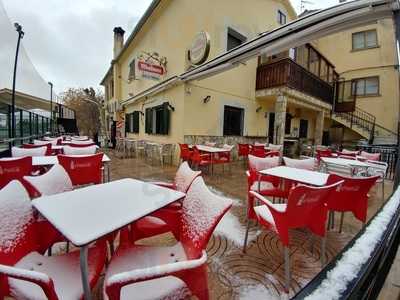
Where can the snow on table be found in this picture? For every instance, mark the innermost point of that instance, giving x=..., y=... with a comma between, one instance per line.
x=53, y=160
x=345, y=162
x=299, y=175
x=86, y=214
x=211, y=149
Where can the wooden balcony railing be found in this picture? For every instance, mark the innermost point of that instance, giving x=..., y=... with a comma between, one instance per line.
x=288, y=73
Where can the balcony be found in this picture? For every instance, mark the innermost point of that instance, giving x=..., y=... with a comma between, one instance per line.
x=288, y=73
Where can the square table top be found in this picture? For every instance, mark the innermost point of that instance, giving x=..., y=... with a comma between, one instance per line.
x=345, y=162
x=299, y=175
x=209, y=149
x=87, y=214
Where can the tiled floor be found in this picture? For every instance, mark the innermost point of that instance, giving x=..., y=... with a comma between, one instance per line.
x=258, y=274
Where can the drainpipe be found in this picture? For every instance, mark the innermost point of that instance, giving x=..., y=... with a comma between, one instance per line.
x=396, y=18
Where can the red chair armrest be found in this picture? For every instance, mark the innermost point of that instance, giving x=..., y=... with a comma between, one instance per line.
x=41, y=279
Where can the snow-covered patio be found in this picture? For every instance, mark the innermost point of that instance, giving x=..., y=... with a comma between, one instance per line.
x=258, y=274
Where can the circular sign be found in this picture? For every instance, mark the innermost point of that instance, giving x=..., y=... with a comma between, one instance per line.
x=200, y=48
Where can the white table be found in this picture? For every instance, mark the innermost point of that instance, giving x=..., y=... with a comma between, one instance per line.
x=61, y=147
x=212, y=151
x=303, y=176
x=87, y=214
x=345, y=162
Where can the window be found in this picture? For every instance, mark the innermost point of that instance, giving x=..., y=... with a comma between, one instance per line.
x=132, y=66
x=158, y=119
x=365, y=40
x=365, y=86
x=233, y=120
x=281, y=18
x=288, y=123
x=111, y=88
x=132, y=122
x=234, y=39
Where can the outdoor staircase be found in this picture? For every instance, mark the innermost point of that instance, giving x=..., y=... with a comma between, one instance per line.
x=365, y=125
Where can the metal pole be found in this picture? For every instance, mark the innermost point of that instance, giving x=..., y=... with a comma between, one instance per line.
x=20, y=36
x=51, y=107
x=397, y=36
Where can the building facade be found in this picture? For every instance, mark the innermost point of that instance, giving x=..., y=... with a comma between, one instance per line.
x=283, y=97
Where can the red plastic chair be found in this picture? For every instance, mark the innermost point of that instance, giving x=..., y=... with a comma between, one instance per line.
x=305, y=164
x=29, y=274
x=324, y=153
x=80, y=150
x=32, y=146
x=83, y=169
x=371, y=156
x=273, y=154
x=181, y=270
x=243, y=150
x=351, y=196
x=200, y=160
x=306, y=208
x=185, y=152
x=14, y=169
x=81, y=145
x=258, y=151
x=159, y=222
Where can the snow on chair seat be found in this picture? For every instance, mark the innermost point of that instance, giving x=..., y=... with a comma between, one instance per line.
x=68, y=150
x=142, y=268
x=31, y=275
x=21, y=152
x=54, y=181
x=64, y=272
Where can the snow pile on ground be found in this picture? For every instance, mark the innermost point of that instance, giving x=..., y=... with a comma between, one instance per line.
x=254, y=292
x=348, y=267
x=233, y=230
x=235, y=201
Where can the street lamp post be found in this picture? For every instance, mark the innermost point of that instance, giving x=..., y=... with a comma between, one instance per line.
x=51, y=107
x=20, y=36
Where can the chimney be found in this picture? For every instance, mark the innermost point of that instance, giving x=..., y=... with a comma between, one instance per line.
x=118, y=40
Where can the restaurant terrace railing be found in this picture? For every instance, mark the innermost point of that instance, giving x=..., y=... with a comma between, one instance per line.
x=288, y=73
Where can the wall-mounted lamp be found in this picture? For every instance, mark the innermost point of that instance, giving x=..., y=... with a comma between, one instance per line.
x=258, y=109
x=207, y=99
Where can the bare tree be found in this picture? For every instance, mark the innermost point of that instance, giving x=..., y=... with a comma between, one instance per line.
x=87, y=104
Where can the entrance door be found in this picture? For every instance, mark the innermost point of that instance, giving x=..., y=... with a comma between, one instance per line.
x=271, y=127
x=303, y=128
x=114, y=134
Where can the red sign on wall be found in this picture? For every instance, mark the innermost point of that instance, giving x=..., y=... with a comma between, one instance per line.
x=150, y=71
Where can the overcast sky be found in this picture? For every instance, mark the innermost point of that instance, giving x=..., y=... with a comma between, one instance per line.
x=70, y=42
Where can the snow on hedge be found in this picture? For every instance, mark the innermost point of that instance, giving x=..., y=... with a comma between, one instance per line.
x=349, y=265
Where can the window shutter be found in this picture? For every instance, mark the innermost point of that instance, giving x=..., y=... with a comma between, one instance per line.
x=135, y=122
x=127, y=122
x=165, y=119
x=132, y=66
x=149, y=121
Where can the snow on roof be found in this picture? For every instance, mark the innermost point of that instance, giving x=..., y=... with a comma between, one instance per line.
x=349, y=265
x=29, y=81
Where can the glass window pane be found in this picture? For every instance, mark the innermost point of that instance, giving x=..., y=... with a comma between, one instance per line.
x=17, y=123
x=371, y=86
x=370, y=39
x=358, y=40
x=360, y=87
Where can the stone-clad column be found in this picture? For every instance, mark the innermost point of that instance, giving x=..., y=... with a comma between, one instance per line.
x=280, y=119
x=319, y=128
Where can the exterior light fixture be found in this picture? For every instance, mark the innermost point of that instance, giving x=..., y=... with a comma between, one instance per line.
x=258, y=109
x=207, y=99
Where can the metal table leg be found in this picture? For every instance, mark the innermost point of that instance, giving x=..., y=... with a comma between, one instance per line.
x=85, y=272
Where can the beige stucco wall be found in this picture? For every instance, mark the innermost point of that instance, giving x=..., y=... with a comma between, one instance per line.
x=380, y=61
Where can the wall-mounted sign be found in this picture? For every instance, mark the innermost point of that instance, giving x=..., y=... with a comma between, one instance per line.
x=148, y=65
x=149, y=70
x=200, y=48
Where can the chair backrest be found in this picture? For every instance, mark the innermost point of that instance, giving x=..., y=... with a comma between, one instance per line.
x=323, y=153
x=80, y=150
x=371, y=156
x=86, y=143
x=347, y=157
x=306, y=208
x=184, y=151
x=305, y=164
x=260, y=144
x=17, y=226
x=184, y=177
x=80, y=138
x=377, y=168
x=33, y=146
x=228, y=147
x=352, y=194
x=43, y=143
x=243, y=149
x=274, y=147
x=273, y=154
x=21, y=152
x=201, y=212
x=258, y=151
x=54, y=181
x=259, y=164
x=14, y=169
x=80, y=145
x=83, y=169
x=350, y=152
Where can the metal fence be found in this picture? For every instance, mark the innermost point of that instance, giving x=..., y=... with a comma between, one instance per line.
x=389, y=154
